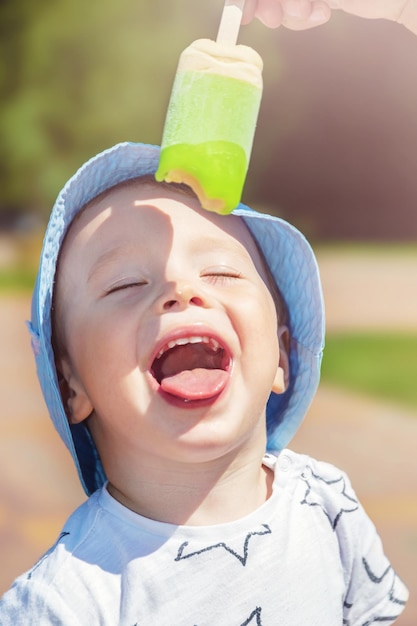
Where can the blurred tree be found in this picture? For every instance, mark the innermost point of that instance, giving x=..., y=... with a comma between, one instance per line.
x=76, y=77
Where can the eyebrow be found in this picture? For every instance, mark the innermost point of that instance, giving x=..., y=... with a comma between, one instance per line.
x=105, y=259
x=121, y=250
x=213, y=243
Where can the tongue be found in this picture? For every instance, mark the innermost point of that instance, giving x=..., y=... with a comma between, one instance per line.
x=196, y=384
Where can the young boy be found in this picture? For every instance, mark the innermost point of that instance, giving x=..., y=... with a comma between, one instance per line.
x=174, y=348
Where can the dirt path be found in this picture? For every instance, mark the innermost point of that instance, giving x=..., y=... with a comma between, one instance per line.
x=369, y=289
x=375, y=443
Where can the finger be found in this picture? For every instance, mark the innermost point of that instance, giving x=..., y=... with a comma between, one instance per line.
x=249, y=11
x=302, y=14
x=270, y=13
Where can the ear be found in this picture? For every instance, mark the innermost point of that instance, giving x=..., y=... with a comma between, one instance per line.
x=282, y=376
x=76, y=402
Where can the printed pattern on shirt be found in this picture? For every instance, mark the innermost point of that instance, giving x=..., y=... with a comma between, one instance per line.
x=254, y=619
x=184, y=552
x=393, y=594
x=255, y=615
x=377, y=579
x=241, y=557
x=347, y=503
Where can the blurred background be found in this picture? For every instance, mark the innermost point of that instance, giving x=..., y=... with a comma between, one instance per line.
x=336, y=143
x=335, y=153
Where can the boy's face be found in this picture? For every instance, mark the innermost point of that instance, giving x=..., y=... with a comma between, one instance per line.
x=169, y=330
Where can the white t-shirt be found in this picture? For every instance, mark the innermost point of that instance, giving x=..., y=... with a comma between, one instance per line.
x=309, y=555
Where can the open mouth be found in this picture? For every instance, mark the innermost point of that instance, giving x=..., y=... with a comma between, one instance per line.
x=192, y=368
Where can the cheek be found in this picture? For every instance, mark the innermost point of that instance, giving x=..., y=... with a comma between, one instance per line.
x=90, y=345
x=266, y=312
x=106, y=347
x=266, y=332
x=259, y=323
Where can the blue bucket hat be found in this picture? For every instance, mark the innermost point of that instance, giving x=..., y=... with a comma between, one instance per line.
x=287, y=253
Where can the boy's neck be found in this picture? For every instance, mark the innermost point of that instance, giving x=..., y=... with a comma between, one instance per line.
x=198, y=495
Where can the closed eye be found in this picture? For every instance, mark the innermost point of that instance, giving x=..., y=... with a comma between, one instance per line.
x=221, y=276
x=124, y=286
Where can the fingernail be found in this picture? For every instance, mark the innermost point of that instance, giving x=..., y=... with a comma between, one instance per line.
x=319, y=14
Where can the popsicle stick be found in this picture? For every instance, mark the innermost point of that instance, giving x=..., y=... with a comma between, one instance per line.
x=230, y=22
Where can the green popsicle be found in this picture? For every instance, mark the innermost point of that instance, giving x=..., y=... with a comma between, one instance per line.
x=211, y=120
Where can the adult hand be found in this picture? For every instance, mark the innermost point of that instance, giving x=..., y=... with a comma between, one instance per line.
x=303, y=14
x=294, y=14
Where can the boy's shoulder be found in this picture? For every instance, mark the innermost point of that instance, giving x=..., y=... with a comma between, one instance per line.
x=42, y=589
x=317, y=480
x=323, y=499
x=322, y=486
x=73, y=538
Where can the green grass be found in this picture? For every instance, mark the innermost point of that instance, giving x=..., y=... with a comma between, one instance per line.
x=382, y=365
x=17, y=280
x=19, y=273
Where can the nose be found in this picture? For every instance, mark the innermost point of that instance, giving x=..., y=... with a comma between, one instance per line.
x=180, y=295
